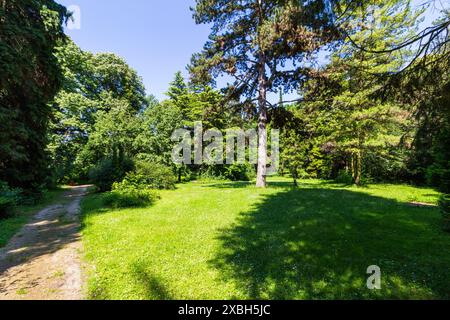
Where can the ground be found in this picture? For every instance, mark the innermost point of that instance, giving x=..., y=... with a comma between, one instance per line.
x=43, y=260
x=10, y=226
x=234, y=241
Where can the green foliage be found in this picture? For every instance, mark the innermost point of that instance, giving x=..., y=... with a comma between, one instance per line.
x=110, y=170
x=262, y=47
x=347, y=123
x=151, y=175
x=344, y=177
x=159, y=121
x=9, y=199
x=240, y=172
x=444, y=204
x=30, y=77
x=234, y=172
x=439, y=176
x=430, y=157
x=129, y=196
x=96, y=111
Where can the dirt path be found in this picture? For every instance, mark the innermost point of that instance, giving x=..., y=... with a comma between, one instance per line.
x=42, y=262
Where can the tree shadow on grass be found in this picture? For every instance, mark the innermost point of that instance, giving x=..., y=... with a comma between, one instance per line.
x=318, y=243
x=153, y=287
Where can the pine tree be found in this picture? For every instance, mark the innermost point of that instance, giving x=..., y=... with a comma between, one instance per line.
x=356, y=118
x=254, y=42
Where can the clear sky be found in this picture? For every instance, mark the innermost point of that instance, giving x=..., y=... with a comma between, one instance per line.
x=155, y=37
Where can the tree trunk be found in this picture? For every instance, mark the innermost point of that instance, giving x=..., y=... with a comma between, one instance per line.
x=352, y=166
x=262, y=125
x=294, y=176
x=358, y=168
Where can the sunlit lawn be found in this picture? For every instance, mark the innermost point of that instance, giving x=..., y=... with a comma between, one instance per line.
x=233, y=241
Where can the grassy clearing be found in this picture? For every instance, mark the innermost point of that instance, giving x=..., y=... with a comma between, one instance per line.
x=233, y=241
x=10, y=226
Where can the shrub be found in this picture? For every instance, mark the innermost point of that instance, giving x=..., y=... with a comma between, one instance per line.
x=149, y=175
x=108, y=171
x=126, y=196
x=234, y=172
x=444, y=204
x=344, y=177
x=239, y=172
x=439, y=177
x=9, y=198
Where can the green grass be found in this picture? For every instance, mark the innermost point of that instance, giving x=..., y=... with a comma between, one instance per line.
x=11, y=225
x=233, y=241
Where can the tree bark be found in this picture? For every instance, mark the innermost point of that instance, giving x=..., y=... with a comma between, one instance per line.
x=358, y=168
x=262, y=124
x=352, y=166
x=294, y=176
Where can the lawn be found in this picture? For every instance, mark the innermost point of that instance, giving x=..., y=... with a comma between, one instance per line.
x=11, y=225
x=234, y=241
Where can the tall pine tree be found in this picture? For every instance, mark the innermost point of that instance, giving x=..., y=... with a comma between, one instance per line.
x=263, y=45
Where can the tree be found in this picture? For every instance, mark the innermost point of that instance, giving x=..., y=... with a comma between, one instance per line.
x=430, y=97
x=159, y=121
x=427, y=43
x=356, y=120
x=30, y=77
x=186, y=105
x=254, y=42
x=92, y=85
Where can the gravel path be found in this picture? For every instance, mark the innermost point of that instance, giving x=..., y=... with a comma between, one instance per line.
x=43, y=260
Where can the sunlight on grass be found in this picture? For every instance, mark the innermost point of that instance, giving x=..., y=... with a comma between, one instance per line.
x=221, y=240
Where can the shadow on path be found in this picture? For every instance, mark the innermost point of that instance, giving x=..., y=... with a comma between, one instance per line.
x=50, y=230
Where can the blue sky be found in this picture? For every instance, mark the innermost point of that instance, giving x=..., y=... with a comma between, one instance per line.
x=155, y=37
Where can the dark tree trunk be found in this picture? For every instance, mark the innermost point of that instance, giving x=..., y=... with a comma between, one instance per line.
x=294, y=176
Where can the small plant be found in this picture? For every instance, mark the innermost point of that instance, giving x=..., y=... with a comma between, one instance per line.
x=444, y=204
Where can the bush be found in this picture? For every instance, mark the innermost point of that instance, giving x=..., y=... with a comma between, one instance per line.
x=149, y=175
x=108, y=171
x=345, y=178
x=439, y=177
x=236, y=172
x=9, y=198
x=444, y=204
x=126, y=196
